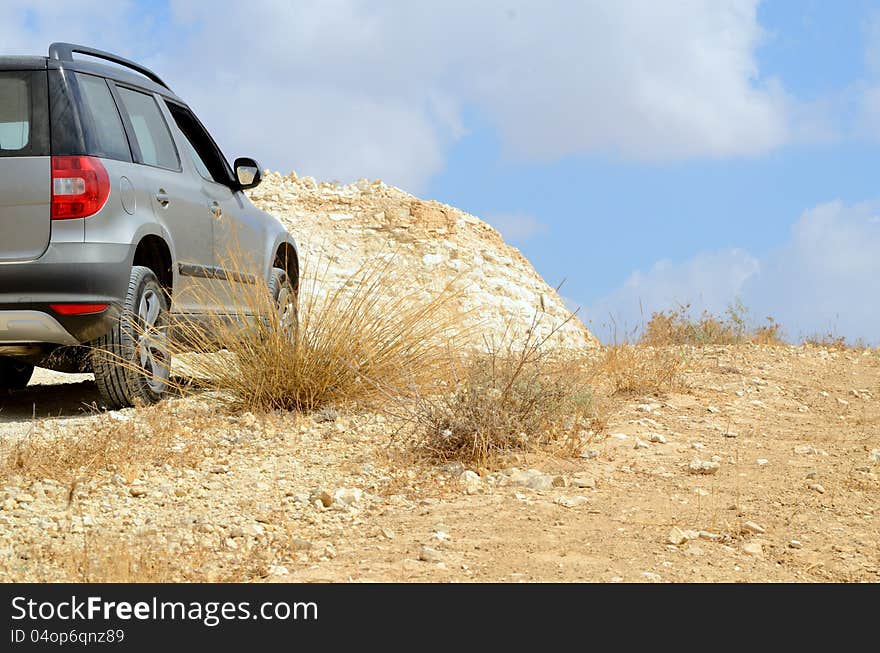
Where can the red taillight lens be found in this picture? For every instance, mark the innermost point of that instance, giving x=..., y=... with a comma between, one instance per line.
x=80, y=186
x=78, y=309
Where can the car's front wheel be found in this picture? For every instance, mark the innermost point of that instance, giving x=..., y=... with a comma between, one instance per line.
x=284, y=300
x=132, y=364
x=14, y=374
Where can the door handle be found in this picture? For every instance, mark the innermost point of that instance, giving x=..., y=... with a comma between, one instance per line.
x=162, y=198
x=216, y=211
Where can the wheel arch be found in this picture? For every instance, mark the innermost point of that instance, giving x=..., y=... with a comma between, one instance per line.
x=154, y=252
x=286, y=257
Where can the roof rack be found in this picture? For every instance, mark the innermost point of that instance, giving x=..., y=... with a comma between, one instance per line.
x=64, y=52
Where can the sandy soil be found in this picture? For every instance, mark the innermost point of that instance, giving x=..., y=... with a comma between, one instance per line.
x=795, y=433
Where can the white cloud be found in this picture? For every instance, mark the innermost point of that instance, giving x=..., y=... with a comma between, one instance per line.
x=348, y=88
x=825, y=278
x=517, y=227
x=710, y=280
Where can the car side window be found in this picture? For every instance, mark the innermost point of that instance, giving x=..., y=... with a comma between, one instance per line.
x=208, y=159
x=200, y=166
x=152, y=134
x=109, y=139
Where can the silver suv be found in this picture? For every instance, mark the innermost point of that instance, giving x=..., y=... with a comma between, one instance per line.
x=114, y=199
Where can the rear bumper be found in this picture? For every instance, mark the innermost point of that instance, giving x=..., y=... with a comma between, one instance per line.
x=95, y=273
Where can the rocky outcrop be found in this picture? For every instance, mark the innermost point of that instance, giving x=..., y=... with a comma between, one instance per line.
x=429, y=244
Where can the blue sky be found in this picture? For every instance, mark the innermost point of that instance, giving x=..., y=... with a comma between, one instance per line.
x=648, y=153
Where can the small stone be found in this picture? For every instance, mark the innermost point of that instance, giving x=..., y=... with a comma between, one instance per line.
x=427, y=554
x=299, y=544
x=347, y=496
x=811, y=475
x=278, y=570
x=805, y=449
x=572, y=502
x=137, y=491
x=842, y=402
x=532, y=479
x=752, y=527
x=651, y=576
x=753, y=548
x=440, y=536
x=761, y=462
x=620, y=436
x=875, y=456
x=24, y=498
x=220, y=469
x=676, y=536
x=254, y=530
x=387, y=533
x=703, y=466
x=712, y=409
x=470, y=481
x=453, y=468
x=817, y=487
x=795, y=544
x=641, y=444
x=583, y=481
x=658, y=438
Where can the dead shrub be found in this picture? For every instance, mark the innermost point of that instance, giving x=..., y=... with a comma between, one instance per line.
x=641, y=369
x=832, y=340
x=679, y=327
x=517, y=396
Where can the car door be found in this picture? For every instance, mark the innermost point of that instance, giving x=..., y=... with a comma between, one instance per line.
x=239, y=235
x=176, y=197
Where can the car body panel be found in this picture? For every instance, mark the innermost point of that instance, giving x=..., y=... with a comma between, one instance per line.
x=89, y=260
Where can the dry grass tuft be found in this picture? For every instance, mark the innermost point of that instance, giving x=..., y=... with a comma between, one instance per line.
x=640, y=369
x=354, y=343
x=679, y=327
x=111, y=444
x=516, y=397
x=831, y=340
x=109, y=557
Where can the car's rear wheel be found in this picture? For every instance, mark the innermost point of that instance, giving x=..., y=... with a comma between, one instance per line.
x=14, y=374
x=284, y=300
x=132, y=364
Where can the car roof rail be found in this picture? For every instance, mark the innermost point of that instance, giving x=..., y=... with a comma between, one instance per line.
x=64, y=52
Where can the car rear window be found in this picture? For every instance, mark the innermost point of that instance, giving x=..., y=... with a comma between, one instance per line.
x=108, y=135
x=24, y=128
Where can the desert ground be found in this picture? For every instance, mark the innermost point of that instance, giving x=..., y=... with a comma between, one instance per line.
x=763, y=467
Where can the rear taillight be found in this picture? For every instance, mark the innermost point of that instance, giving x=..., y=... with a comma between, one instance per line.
x=80, y=186
x=78, y=309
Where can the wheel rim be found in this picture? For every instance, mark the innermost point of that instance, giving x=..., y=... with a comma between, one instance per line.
x=152, y=347
x=285, y=307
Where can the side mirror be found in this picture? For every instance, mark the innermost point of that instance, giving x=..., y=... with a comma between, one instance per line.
x=247, y=173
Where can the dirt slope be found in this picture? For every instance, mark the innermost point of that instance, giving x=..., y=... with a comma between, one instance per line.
x=795, y=433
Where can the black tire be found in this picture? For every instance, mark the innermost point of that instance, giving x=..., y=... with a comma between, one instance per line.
x=14, y=374
x=131, y=363
x=284, y=300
